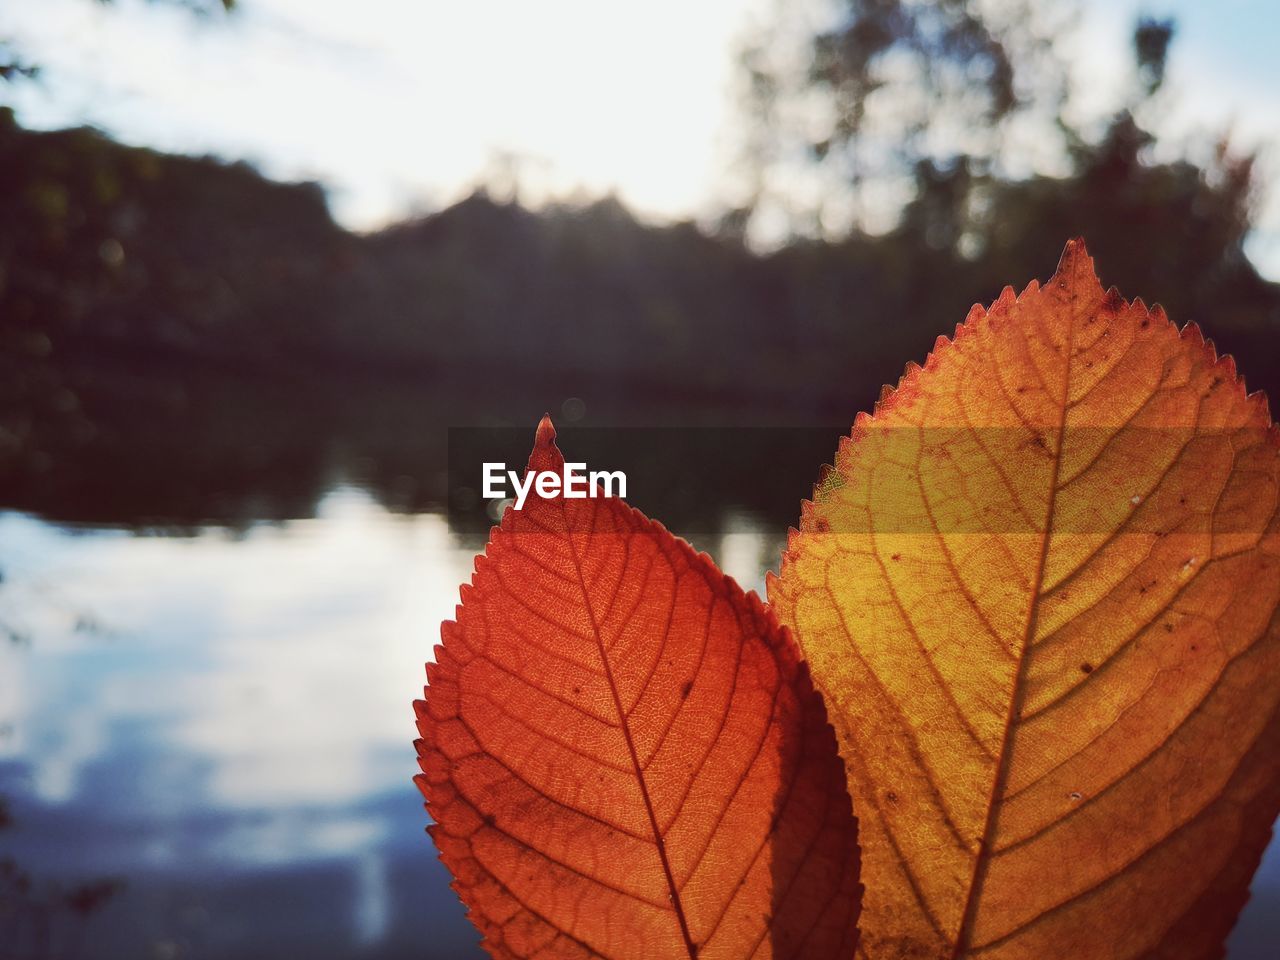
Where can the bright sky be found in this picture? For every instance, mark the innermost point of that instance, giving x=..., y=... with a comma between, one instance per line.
x=404, y=105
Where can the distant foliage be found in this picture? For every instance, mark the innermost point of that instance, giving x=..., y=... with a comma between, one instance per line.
x=146, y=299
x=936, y=119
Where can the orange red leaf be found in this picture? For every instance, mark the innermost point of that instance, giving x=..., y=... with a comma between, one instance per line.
x=623, y=756
x=1039, y=592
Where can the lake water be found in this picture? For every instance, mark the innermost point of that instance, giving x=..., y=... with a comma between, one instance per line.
x=222, y=721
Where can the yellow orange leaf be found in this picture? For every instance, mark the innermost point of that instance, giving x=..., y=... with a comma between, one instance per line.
x=1039, y=593
x=625, y=757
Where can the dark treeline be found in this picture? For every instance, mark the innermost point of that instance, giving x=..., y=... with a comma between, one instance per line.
x=182, y=339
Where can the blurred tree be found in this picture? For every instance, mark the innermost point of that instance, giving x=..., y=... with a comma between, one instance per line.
x=853, y=99
x=1151, y=39
x=879, y=114
x=934, y=140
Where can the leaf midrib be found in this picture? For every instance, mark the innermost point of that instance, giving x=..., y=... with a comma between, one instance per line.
x=659, y=841
x=1001, y=777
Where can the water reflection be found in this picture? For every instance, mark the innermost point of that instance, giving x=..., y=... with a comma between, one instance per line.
x=223, y=719
x=238, y=742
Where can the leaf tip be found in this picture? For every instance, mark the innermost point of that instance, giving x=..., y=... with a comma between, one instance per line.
x=1074, y=264
x=545, y=452
x=546, y=432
